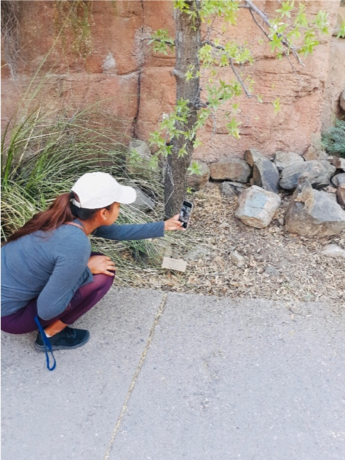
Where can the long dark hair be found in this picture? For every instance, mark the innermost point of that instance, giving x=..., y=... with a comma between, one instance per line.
x=58, y=213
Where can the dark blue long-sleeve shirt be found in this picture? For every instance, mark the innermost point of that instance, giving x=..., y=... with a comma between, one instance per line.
x=53, y=265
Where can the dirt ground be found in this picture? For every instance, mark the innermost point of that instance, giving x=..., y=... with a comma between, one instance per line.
x=278, y=265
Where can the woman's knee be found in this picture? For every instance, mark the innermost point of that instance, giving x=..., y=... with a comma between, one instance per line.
x=103, y=282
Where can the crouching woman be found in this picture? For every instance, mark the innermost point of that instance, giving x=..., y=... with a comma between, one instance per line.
x=50, y=278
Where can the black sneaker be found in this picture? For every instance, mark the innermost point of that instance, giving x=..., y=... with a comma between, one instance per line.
x=67, y=339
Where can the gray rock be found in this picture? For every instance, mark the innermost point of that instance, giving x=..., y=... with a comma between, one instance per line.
x=315, y=153
x=313, y=213
x=196, y=253
x=339, y=163
x=272, y=271
x=252, y=156
x=227, y=190
x=330, y=168
x=237, y=259
x=338, y=179
x=233, y=169
x=138, y=161
x=331, y=192
x=285, y=159
x=230, y=189
x=257, y=207
x=340, y=194
x=333, y=250
x=266, y=175
x=198, y=181
x=141, y=148
x=143, y=202
x=318, y=174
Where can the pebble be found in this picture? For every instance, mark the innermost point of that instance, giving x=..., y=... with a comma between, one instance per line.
x=333, y=250
x=271, y=271
x=237, y=259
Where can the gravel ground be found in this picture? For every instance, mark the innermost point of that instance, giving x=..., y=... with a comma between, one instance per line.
x=278, y=265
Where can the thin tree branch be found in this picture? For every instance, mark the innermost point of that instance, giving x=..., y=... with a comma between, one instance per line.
x=262, y=15
x=239, y=78
x=259, y=25
x=231, y=62
x=166, y=42
x=253, y=8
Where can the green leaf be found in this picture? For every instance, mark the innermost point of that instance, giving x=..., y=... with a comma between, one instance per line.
x=160, y=41
x=276, y=105
x=321, y=22
x=182, y=152
x=301, y=18
x=341, y=33
x=195, y=168
x=197, y=144
x=181, y=5
x=276, y=43
x=233, y=128
x=286, y=8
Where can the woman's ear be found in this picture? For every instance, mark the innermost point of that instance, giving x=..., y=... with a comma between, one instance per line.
x=104, y=214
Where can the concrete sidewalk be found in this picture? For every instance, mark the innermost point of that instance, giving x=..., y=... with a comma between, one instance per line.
x=172, y=376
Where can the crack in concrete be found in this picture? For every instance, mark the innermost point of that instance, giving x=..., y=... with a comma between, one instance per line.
x=136, y=375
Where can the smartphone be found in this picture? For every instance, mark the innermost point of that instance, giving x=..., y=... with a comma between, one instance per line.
x=185, y=213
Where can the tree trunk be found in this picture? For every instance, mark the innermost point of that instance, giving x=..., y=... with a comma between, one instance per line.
x=187, y=45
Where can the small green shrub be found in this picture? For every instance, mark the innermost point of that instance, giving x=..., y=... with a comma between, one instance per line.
x=333, y=139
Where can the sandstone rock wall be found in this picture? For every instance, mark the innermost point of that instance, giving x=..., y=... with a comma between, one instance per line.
x=117, y=66
x=336, y=75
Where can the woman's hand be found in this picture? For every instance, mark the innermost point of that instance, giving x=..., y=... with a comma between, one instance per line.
x=173, y=224
x=101, y=265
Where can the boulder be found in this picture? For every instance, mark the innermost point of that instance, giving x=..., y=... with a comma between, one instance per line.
x=198, y=181
x=338, y=179
x=138, y=162
x=266, y=175
x=230, y=189
x=253, y=155
x=333, y=250
x=231, y=169
x=143, y=202
x=330, y=168
x=257, y=207
x=314, y=154
x=331, y=192
x=140, y=148
x=227, y=190
x=313, y=213
x=318, y=174
x=340, y=194
x=339, y=163
x=285, y=159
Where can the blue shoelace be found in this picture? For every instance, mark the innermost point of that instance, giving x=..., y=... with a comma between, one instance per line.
x=47, y=346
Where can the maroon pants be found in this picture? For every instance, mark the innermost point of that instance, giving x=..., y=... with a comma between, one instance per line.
x=84, y=299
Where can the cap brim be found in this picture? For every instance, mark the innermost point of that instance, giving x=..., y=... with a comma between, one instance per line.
x=127, y=195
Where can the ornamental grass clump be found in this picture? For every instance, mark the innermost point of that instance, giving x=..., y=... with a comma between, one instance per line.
x=43, y=155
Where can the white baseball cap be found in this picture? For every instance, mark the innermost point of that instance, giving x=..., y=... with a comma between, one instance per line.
x=97, y=190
